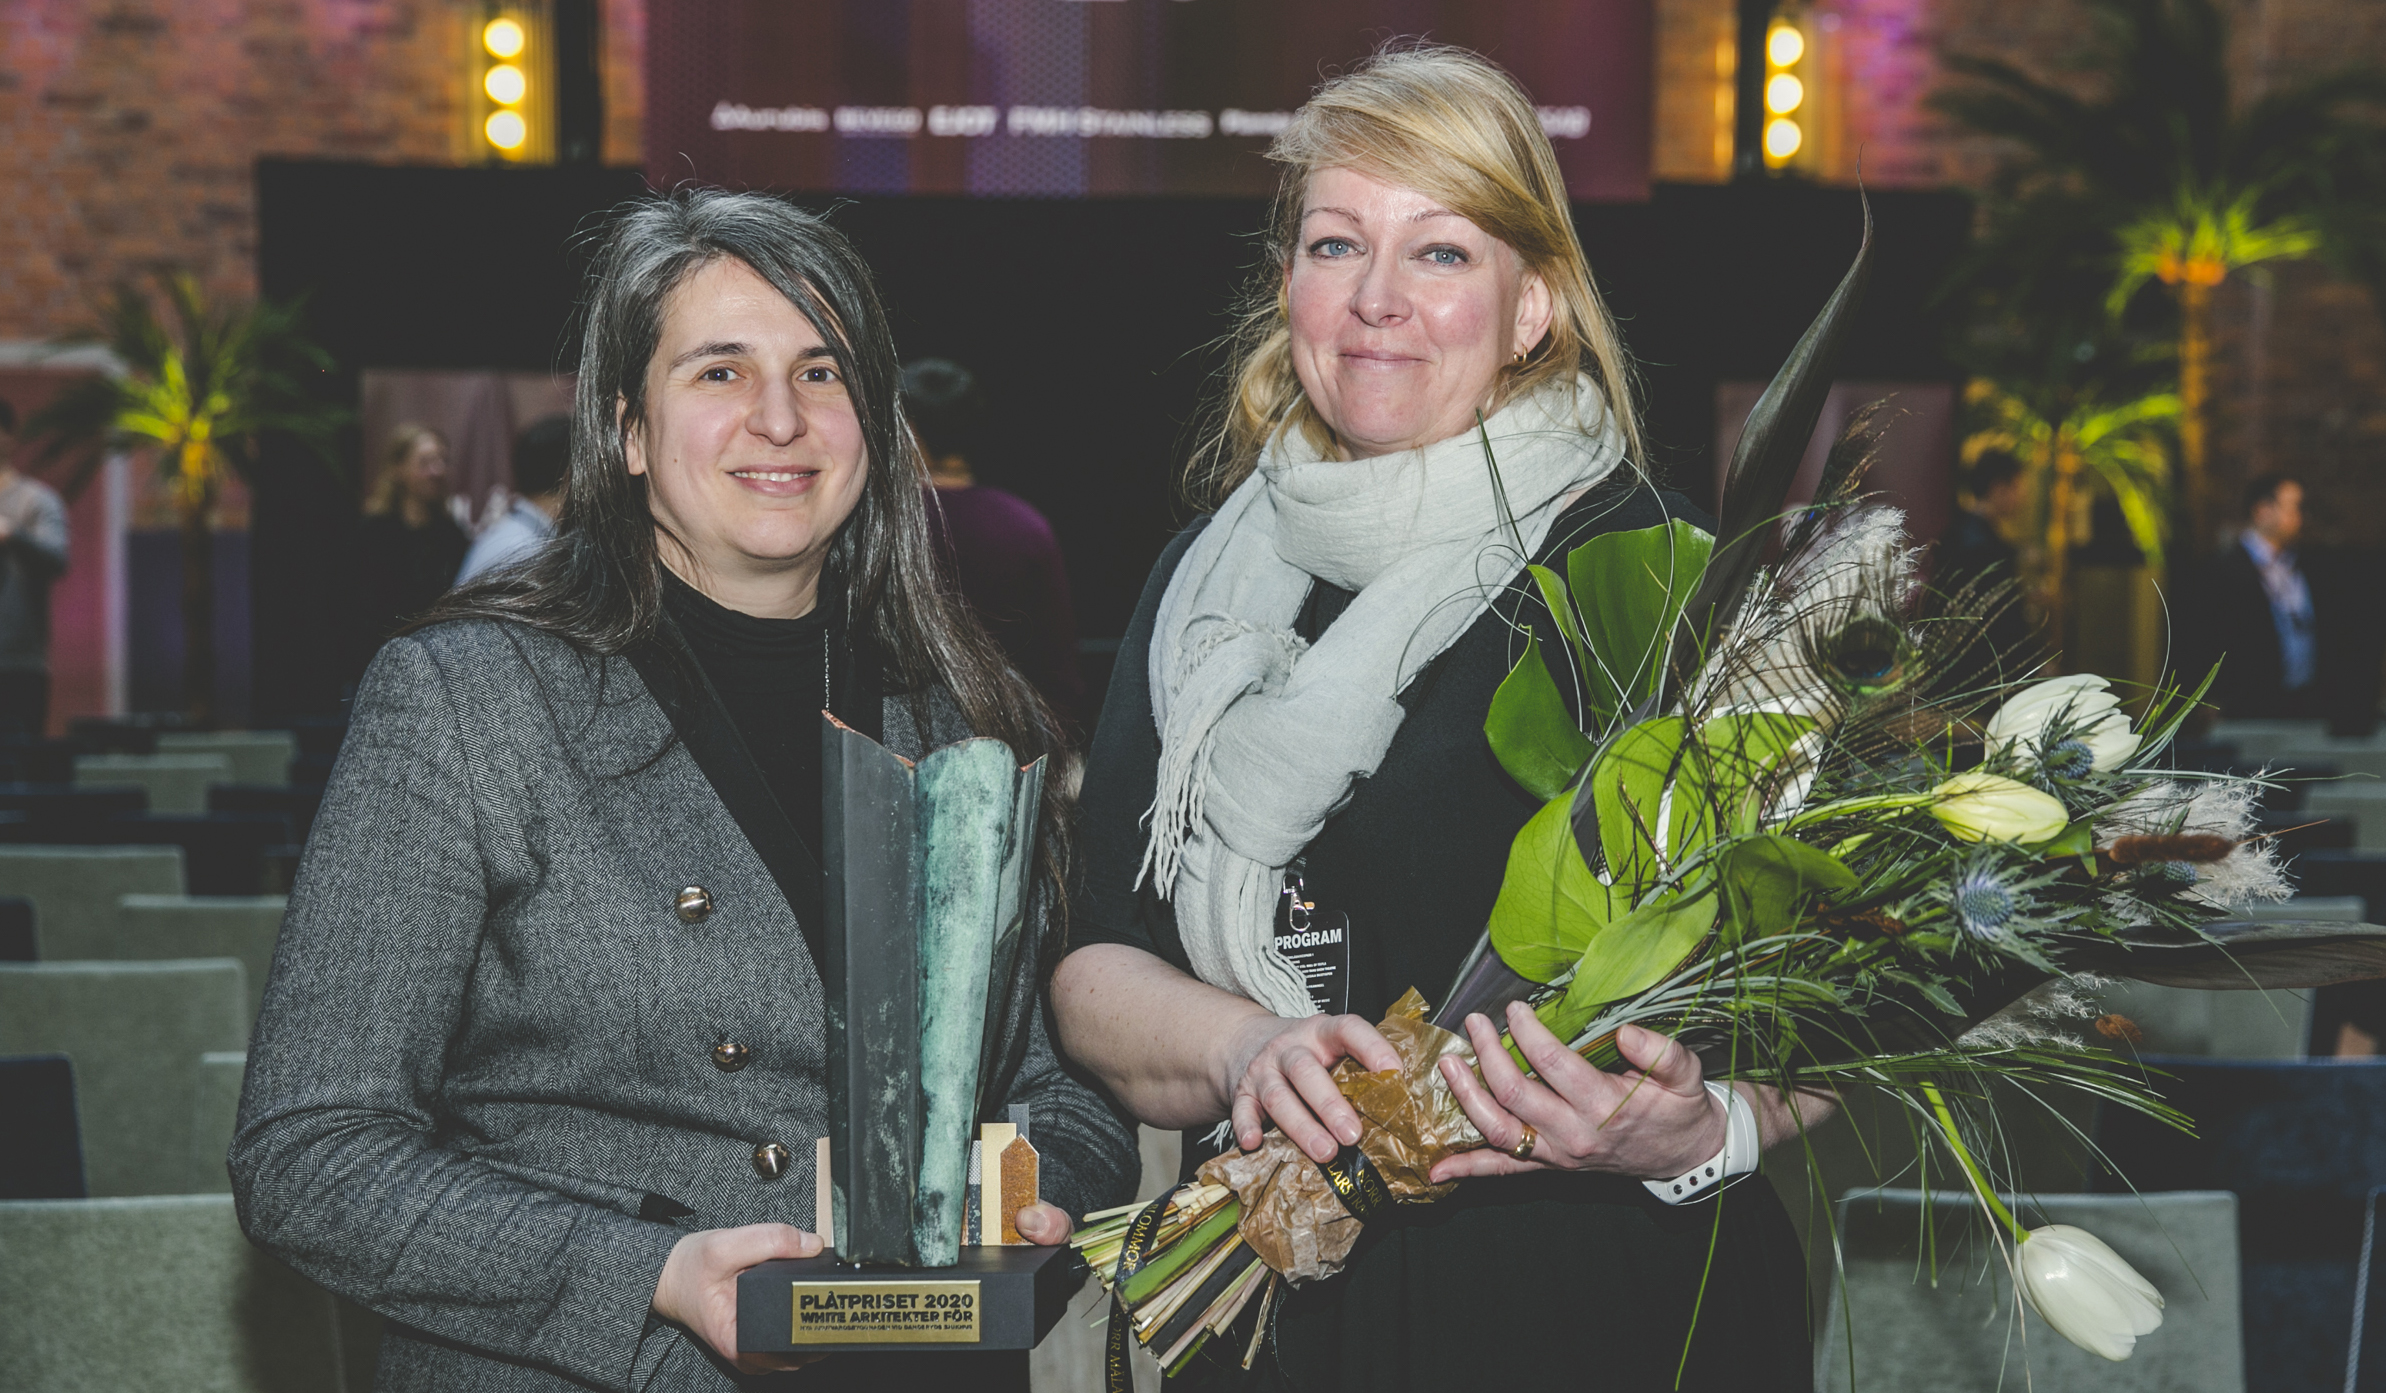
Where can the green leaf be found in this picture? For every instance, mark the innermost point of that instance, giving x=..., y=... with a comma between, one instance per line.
x=1553, y=594
x=1550, y=906
x=1770, y=879
x=1634, y=954
x=1630, y=588
x=1627, y=786
x=1718, y=786
x=2078, y=839
x=1531, y=731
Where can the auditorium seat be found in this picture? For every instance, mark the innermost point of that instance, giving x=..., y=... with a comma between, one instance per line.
x=2359, y=801
x=2302, y=1145
x=2367, y=1373
x=17, y=943
x=257, y=756
x=155, y=1293
x=215, y=1109
x=2233, y=1024
x=223, y=853
x=31, y=759
x=296, y=802
x=75, y=889
x=201, y=926
x=136, y=1032
x=175, y=783
x=1964, y=1335
x=64, y=802
x=41, y=1144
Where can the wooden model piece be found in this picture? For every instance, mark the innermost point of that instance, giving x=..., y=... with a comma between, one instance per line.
x=1019, y=1185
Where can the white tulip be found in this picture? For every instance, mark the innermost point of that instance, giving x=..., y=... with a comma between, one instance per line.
x=2081, y=702
x=1982, y=807
x=2086, y=1291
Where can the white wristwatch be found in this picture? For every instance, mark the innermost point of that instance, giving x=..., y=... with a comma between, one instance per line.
x=1740, y=1153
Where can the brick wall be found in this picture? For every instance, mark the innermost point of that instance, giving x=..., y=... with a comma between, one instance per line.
x=128, y=129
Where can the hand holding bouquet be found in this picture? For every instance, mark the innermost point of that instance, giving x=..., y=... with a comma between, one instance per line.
x=1809, y=832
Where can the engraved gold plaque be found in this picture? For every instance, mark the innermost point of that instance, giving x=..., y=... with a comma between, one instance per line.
x=888, y=1313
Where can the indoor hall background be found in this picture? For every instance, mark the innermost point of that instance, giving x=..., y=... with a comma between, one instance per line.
x=1091, y=322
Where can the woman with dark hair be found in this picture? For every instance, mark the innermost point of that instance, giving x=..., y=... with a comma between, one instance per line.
x=542, y=1058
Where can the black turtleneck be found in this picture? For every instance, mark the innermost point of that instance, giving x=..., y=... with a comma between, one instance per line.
x=772, y=675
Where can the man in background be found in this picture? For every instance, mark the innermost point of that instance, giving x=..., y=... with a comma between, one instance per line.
x=2260, y=611
x=542, y=461
x=32, y=555
x=998, y=550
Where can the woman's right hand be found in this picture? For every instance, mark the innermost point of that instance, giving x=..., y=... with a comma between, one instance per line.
x=698, y=1288
x=1280, y=1070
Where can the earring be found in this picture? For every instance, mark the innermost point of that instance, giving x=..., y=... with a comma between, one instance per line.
x=1519, y=359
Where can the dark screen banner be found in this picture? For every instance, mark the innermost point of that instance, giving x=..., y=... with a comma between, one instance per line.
x=1091, y=97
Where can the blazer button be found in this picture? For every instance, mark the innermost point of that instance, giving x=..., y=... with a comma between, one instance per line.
x=694, y=905
x=730, y=1056
x=771, y=1160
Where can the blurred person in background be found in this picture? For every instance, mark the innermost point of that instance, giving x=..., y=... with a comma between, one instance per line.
x=32, y=555
x=994, y=545
x=409, y=547
x=2260, y=612
x=542, y=457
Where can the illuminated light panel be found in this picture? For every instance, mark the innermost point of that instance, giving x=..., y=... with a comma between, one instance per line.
x=1784, y=46
x=1782, y=137
x=505, y=85
x=506, y=130
x=504, y=38
x=1782, y=94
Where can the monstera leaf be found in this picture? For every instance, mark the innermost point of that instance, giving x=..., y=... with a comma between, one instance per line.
x=1550, y=905
x=1629, y=588
x=1531, y=731
x=1635, y=953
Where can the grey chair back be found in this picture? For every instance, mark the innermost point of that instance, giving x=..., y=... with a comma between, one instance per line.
x=1967, y=1332
x=136, y=1033
x=155, y=1293
x=201, y=926
x=75, y=890
x=41, y=1143
x=256, y=756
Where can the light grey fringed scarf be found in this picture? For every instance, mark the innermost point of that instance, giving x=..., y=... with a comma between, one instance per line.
x=1261, y=735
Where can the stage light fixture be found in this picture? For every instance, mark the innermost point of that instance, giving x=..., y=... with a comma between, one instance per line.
x=506, y=130
x=1782, y=94
x=505, y=84
x=503, y=38
x=1785, y=46
x=1782, y=138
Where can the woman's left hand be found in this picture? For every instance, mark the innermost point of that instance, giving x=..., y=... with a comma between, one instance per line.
x=1045, y=1225
x=1655, y=1120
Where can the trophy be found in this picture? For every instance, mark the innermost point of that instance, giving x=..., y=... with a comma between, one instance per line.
x=925, y=885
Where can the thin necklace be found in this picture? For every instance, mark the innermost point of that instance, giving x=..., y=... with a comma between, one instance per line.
x=827, y=701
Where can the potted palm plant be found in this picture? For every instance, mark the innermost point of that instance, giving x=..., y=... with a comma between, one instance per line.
x=199, y=385
x=2160, y=176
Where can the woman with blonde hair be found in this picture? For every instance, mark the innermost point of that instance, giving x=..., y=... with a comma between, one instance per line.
x=407, y=547
x=1291, y=814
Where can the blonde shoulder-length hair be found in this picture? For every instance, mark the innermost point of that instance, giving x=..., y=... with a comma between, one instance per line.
x=390, y=484
x=1457, y=128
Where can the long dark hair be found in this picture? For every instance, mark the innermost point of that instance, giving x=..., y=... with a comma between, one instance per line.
x=598, y=585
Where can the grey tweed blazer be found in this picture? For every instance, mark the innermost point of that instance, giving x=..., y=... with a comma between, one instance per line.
x=481, y=1099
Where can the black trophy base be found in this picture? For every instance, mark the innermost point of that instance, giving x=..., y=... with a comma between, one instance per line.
x=995, y=1298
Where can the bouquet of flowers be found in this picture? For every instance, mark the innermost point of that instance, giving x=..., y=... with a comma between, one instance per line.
x=1807, y=826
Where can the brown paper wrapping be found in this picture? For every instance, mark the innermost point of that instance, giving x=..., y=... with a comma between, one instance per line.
x=1291, y=1216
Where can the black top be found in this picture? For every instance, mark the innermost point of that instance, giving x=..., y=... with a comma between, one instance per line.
x=403, y=569
x=1492, y=1287
x=774, y=677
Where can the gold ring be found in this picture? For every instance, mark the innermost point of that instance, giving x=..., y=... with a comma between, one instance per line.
x=1523, y=1150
